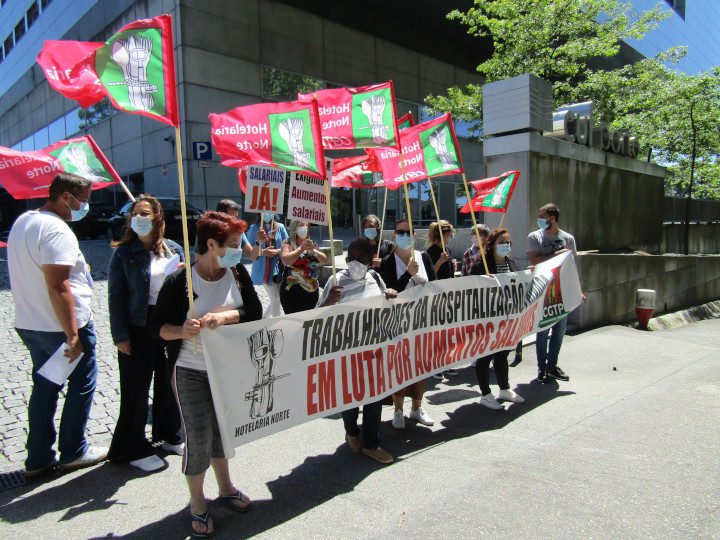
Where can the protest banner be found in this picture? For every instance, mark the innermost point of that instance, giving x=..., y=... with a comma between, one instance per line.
x=363, y=117
x=28, y=175
x=284, y=135
x=265, y=189
x=270, y=375
x=135, y=69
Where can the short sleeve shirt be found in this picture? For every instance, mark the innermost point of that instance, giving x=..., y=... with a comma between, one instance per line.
x=39, y=238
x=547, y=244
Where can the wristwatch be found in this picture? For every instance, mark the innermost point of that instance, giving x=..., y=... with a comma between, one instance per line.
x=257, y=243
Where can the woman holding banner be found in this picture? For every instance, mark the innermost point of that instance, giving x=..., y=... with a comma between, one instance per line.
x=400, y=271
x=497, y=249
x=302, y=258
x=224, y=294
x=266, y=269
x=443, y=261
x=371, y=231
x=138, y=267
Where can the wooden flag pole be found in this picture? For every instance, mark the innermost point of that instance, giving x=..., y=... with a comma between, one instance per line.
x=382, y=222
x=330, y=228
x=475, y=227
x=407, y=204
x=501, y=219
x=186, y=236
x=437, y=214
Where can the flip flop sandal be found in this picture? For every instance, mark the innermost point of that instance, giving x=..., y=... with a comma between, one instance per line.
x=204, y=519
x=237, y=496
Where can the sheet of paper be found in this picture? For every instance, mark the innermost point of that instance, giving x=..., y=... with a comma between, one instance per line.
x=58, y=368
x=172, y=264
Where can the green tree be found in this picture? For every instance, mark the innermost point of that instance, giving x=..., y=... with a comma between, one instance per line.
x=554, y=39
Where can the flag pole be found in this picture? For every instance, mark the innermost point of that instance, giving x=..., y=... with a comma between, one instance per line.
x=475, y=227
x=437, y=214
x=501, y=219
x=186, y=236
x=382, y=222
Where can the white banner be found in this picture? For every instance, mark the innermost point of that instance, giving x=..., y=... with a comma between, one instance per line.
x=307, y=200
x=274, y=374
x=265, y=190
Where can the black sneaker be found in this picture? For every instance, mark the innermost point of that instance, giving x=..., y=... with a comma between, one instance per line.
x=542, y=376
x=557, y=373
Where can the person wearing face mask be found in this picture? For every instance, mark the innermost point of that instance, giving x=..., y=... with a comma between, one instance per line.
x=542, y=245
x=138, y=267
x=497, y=249
x=267, y=269
x=443, y=262
x=302, y=260
x=371, y=231
x=358, y=282
x=52, y=290
x=401, y=270
x=472, y=253
x=224, y=294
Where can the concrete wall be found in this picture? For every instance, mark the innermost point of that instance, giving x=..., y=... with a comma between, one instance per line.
x=704, y=238
x=610, y=282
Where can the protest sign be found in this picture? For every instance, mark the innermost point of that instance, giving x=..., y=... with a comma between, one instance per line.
x=265, y=189
x=270, y=375
x=307, y=200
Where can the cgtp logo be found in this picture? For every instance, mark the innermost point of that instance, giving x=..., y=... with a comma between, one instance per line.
x=553, y=306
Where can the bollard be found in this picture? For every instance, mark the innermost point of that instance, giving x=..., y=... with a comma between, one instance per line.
x=644, y=307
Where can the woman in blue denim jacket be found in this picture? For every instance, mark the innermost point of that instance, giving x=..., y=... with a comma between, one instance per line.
x=137, y=270
x=270, y=234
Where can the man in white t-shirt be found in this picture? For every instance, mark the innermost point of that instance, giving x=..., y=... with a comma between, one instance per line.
x=52, y=290
x=542, y=245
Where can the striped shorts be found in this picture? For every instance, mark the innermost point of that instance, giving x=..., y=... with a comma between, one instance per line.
x=202, y=434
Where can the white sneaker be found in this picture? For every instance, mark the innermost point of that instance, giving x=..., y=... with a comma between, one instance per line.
x=438, y=376
x=421, y=417
x=398, y=421
x=92, y=456
x=178, y=449
x=148, y=464
x=490, y=402
x=509, y=395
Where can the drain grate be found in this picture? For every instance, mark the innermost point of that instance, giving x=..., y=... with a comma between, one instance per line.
x=12, y=479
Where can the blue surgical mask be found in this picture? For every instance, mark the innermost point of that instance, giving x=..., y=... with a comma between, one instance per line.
x=404, y=241
x=542, y=223
x=451, y=238
x=503, y=249
x=142, y=225
x=371, y=234
x=267, y=218
x=77, y=215
x=231, y=258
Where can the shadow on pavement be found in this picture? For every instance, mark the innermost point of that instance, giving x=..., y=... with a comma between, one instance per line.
x=87, y=492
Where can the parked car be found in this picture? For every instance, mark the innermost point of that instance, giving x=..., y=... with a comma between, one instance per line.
x=94, y=224
x=173, y=220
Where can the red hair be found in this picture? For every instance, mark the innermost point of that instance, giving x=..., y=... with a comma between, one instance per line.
x=218, y=226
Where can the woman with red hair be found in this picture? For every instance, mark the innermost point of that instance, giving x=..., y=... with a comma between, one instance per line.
x=224, y=294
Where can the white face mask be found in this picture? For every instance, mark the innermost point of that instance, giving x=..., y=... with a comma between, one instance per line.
x=142, y=225
x=357, y=270
x=302, y=232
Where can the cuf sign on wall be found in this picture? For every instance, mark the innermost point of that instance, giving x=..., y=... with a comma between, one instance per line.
x=265, y=189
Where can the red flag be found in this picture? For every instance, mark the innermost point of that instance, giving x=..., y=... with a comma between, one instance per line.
x=363, y=117
x=285, y=135
x=492, y=194
x=349, y=173
x=3, y=244
x=428, y=149
x=135, y=68
x=28, y=175
x=406, y=121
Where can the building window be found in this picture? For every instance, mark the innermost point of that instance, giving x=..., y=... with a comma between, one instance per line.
x=8, y=45
x=282, y=85
x=678, y=6
x=43, y=4
x=19, y=29
x=32, y=14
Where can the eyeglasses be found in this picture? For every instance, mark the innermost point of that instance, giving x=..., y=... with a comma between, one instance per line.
x=401, y=233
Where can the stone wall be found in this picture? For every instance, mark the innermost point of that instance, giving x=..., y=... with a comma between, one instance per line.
x=704, y=238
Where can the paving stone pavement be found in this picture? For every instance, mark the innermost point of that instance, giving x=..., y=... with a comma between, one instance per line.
x=15, y=366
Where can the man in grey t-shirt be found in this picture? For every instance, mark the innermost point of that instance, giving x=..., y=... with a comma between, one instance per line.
x=542, y=245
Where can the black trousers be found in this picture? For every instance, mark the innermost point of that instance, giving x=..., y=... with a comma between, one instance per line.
x=297, y=299
x=136, y=373
x=500, y=365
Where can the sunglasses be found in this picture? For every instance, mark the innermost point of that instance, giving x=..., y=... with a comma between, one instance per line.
x=401, y=233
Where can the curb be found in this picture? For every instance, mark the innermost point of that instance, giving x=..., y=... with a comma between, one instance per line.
x=711, y=310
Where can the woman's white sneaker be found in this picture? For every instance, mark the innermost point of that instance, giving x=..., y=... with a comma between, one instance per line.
x=509, y=395
x=148, y=464
x=490, y=402
x=398, y=421
x=421, y=417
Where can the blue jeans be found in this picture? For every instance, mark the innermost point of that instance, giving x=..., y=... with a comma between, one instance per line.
x=370, y=424
x=547, y=357
x=43, y=400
